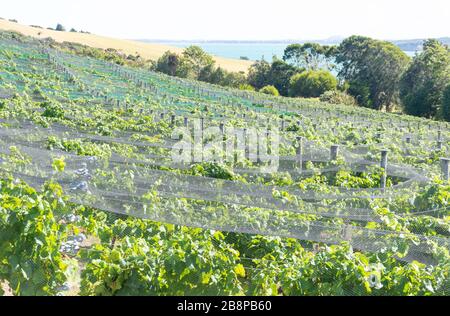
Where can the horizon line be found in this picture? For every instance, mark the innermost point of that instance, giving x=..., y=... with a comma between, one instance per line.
x=332, y=39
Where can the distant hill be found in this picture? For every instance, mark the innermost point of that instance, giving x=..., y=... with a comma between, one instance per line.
x=416, y=44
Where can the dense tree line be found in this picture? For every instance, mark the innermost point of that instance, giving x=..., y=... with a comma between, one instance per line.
x=194, y=63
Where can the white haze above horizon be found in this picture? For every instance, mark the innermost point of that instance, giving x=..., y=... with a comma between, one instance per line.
x=239, y=19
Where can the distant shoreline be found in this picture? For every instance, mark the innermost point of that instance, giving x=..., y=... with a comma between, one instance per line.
x=238, y=41
x=257, y=50
x=329, y=41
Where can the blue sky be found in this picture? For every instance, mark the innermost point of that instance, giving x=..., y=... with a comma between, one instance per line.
x=239, y=19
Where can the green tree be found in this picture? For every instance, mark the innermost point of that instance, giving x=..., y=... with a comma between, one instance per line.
x=375, y=67
x=197, y=65
x=60, y=27
x=233, y=79
x=212, y=74
x=423, y=84
x=194, y=60
x=311, y=56
x=219, y=76
x=280, y=75
x=259, y=74
x=361, y=92
x=446, y=104
x=312, y=84
x=269, y=90
x=168, y=63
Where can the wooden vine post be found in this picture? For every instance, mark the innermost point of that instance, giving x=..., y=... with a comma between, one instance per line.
x=383, y=165
x=334, y=151
x=445, y=162
x=299, y=153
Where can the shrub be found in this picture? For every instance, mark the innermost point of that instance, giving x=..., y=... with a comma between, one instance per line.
x=337, y=97
x=246, y=86
x=311, y=83
x=269, y=90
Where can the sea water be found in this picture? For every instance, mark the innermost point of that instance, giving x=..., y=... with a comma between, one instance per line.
x=237, y=50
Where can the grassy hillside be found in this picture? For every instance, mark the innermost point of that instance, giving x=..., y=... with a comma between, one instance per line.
x=145, y=50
